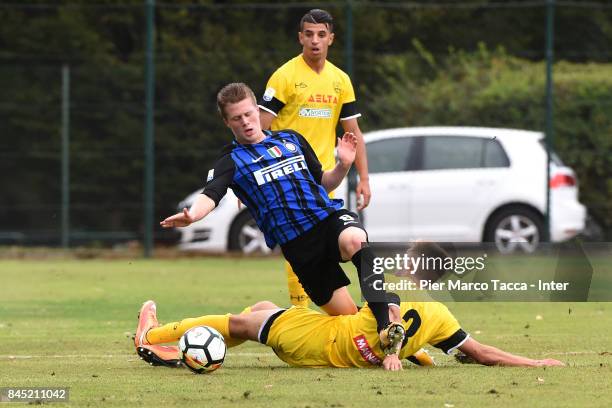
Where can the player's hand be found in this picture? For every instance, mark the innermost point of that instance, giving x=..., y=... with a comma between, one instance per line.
x=392, y=363
x=347, y=148
x=549, y=362
x=181, y=219
x=363, y=194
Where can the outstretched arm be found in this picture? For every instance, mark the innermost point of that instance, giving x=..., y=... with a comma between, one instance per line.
x=347, y=148
x=201, y=207
x=489, y=355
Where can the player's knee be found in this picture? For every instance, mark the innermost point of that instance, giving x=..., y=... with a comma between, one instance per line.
x=351, y=242
x=340, y=303
x=263, y=305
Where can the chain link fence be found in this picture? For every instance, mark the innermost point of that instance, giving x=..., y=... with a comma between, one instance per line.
x=412, y=63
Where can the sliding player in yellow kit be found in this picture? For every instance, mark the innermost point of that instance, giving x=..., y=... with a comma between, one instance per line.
x=306, y=338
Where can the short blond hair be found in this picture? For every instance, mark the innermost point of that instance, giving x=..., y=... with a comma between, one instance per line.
x=233, y=93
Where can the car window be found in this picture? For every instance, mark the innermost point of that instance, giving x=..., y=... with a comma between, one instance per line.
x=494, y=154
x=553, y=155
x=452, y=152
x=389, y=155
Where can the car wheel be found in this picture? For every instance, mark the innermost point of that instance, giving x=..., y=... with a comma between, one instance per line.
x=515, y=229
x=246, y=237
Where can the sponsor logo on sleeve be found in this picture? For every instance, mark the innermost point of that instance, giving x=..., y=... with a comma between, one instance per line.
x=211, y=174
x=269, y=94
x=365, y=350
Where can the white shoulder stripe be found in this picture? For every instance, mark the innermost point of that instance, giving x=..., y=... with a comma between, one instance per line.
x=357, y=115
x=450, y=350
x=263, y=325
x=267, y=110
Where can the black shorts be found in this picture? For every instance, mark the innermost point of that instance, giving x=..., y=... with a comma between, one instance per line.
x=315, y=256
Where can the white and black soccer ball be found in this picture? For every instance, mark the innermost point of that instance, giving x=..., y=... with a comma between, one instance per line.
x=202, y=349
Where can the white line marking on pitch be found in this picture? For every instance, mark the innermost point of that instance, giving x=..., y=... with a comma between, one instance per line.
x=569, y=353
x=23, y=357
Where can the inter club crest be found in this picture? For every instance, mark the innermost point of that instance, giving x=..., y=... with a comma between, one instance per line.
x=289, y=146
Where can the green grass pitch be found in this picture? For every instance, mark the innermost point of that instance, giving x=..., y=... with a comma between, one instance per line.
x=68, y=323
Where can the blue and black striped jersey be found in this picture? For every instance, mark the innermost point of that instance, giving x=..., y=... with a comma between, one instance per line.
x=279, y=180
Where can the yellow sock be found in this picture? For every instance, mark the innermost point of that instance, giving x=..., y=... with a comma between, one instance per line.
x=297, y=294
x=171, y=332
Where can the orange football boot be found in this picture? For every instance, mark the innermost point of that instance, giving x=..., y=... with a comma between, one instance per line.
x=156, y=355
x=147, y=319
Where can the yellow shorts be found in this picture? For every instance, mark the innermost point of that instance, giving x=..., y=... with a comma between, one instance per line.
x=303, y=337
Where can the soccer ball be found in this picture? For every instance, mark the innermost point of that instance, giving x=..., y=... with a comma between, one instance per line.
x=202, y=349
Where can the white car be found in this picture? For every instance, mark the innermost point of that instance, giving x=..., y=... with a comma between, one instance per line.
x=444, y=184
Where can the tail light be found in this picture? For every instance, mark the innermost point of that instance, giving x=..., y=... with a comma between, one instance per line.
x=562, y=180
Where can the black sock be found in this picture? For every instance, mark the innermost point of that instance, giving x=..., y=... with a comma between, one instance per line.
x=364, y=261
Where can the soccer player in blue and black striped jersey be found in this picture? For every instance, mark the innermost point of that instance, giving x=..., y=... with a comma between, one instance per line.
x=279, y=178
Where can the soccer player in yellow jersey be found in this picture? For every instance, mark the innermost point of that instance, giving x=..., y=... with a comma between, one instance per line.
x=306, y=338
x=303, y=337
x=311, y=95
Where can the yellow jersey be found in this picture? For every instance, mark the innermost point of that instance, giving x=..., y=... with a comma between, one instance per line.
x=310, y=103
x=306, y=338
